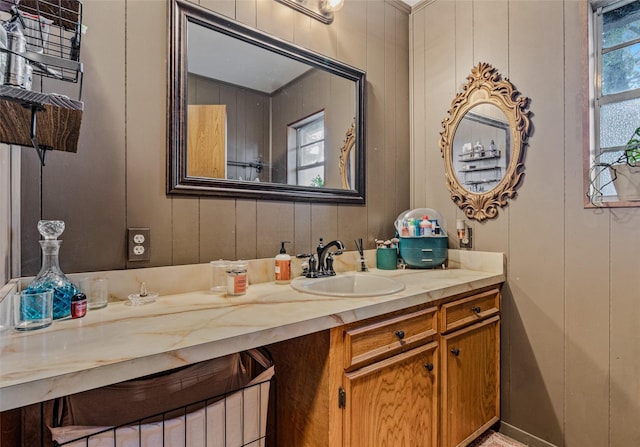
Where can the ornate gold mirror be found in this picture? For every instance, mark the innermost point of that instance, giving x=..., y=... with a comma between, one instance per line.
x=483, y=143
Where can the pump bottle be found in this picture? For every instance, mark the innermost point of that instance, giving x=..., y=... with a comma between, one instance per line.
x=283, y=265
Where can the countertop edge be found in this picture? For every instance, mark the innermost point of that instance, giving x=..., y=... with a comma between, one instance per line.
x=29, y=392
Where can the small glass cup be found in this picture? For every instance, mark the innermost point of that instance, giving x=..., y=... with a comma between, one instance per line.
x=32, y=310
x=218, y=278
x=97, y=291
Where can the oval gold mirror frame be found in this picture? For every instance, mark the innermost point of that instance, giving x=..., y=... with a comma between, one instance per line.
x=486, y=86
x=345, y=152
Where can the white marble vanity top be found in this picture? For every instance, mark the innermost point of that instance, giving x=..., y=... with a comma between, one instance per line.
x=122, y=342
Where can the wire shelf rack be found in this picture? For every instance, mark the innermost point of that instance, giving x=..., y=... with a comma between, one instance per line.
x=53, y=33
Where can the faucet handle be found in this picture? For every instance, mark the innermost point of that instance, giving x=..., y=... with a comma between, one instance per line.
x=311, y=271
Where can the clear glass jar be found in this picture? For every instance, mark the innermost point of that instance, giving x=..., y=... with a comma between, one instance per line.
x=50, y=276
x=237, y=278
x=218, y=278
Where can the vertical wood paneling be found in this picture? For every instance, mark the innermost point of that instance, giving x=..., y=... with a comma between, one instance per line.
x=418, y=107
x=217, y=229
x=247, y=226
x=402, y=122
x=376, y=104
x=30, y=212
x=537, y=373
x=390, y=141
x=276, y=225
x=324, y=223
x=302, y=242
x=5, y=213
x=275, y=18
x=587, y=283
x=186, y=231
x=624, y=358
x=351, y=23
x=440, y=40
x=91, y=201
x=146, y=81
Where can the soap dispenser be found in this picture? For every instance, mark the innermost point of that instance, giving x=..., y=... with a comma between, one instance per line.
x=283, y=265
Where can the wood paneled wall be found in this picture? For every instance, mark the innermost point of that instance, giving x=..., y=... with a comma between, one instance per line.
x=117, y=178
x=571, y=338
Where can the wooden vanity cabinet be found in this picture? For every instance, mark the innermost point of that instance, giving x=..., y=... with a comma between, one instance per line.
x=370, y=383
x=470, y=367
x=394, y=400
x=393, y=380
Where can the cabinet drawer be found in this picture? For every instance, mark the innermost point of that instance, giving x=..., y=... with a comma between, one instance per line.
x=470, y=310
x=372, y=342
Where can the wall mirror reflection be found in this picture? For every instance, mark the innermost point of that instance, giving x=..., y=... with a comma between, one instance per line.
x=483, y=142
x=253, y=116
x=482, y=148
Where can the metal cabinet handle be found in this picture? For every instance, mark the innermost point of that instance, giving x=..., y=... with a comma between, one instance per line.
x=429, y=366
x=399, y=334
x=455, y=351
x=476, y=309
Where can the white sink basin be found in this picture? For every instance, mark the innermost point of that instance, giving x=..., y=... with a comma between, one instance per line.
x=348, y=285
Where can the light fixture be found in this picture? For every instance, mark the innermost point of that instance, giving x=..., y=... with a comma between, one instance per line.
x=321, y=10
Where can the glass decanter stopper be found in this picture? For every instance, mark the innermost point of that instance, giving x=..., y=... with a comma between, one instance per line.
x=50, y=276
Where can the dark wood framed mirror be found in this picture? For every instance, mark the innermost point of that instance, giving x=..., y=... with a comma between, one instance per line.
x=483, y=143
x=253, y=116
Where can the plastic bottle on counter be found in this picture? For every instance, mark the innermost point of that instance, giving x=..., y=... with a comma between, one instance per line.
x=412, y=228
x=425, y=226
x=283, y=265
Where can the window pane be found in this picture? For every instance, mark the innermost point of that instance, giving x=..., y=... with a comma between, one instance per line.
x=311, y=176
x=621, y=25
x=618, y=122
x=312, y=132
x=311, y=154
x=621, y=70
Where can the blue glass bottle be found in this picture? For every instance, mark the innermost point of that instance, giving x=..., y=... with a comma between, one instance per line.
x=50, y=276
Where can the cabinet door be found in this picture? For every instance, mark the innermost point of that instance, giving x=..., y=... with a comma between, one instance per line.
x=393, y=403
x=470, y=382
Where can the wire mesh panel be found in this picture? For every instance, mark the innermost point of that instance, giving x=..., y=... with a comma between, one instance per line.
x=233, y=419
x=53, y=31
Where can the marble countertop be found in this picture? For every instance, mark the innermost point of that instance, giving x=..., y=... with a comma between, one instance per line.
x=122, y=342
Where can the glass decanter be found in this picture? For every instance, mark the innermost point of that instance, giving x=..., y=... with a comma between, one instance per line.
x=50, y=276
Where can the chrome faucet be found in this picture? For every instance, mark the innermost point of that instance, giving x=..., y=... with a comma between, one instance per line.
x=325, y=258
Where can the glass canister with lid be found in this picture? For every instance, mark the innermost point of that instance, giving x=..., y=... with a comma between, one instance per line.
x=237, y=278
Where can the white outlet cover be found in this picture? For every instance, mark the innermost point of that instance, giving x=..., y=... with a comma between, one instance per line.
x=138, y=250
x=138, y=238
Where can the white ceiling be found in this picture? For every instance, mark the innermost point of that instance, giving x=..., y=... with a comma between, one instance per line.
x=218, y=56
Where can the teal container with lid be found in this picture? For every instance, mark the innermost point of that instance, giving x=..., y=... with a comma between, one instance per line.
x=422, y=251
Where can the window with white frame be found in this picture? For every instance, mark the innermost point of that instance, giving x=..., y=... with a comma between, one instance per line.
x=306, y=151
x=615, y=31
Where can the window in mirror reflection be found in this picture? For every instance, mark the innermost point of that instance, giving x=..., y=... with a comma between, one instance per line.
x=306, y=151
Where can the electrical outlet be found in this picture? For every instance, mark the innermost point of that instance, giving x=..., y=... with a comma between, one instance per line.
x=467, y=241
x=139, y=244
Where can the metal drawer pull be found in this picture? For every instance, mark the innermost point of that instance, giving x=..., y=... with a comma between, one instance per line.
x=426, y=260
x=476, y=309
x=455, y=351
x=430, y=250
x=429, y=366
x=399, y=334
